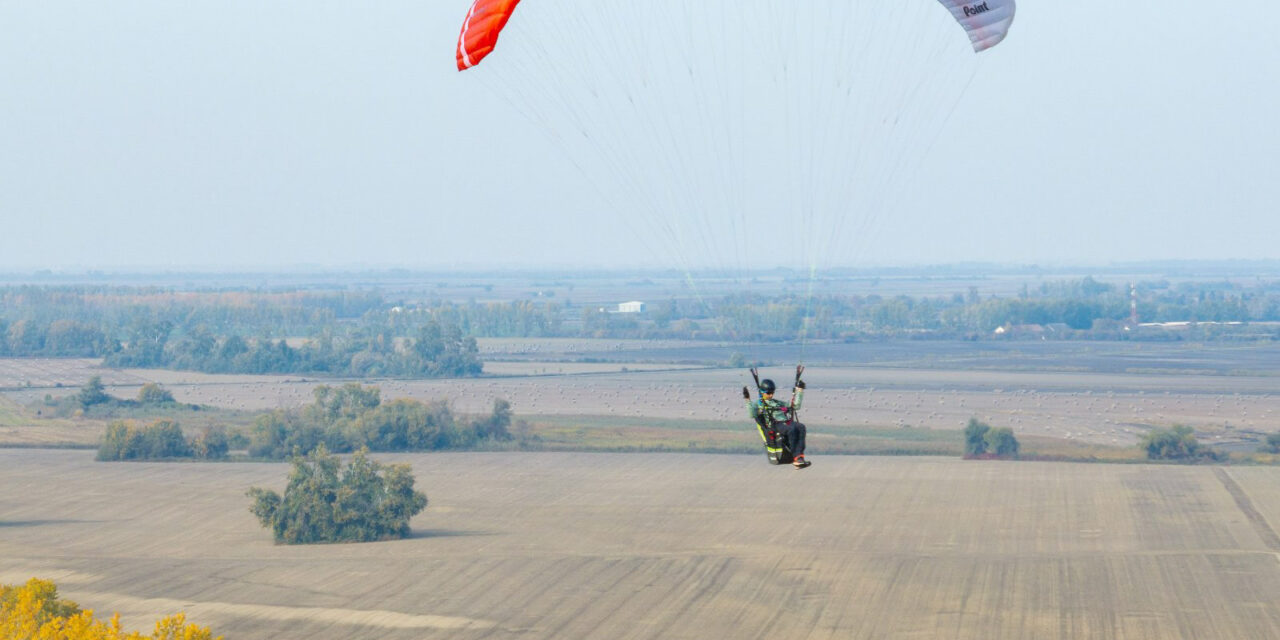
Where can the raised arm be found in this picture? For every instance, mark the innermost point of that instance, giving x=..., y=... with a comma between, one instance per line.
x=799, y=396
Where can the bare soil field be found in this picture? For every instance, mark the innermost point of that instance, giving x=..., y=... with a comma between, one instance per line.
x=555, y=368
x=48, y=374
x=1171, y=358
x=531, y=545
x=551, y=348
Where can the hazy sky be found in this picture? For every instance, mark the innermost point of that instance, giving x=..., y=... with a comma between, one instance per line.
x=271, y=134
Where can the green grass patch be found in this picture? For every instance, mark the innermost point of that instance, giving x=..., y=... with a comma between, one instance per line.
x=612, y=433
x=622, y=434
x=11, y=415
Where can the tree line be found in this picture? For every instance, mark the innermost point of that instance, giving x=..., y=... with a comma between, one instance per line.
x=339, y=419
x=347, y=418
x=359, y=333
x=435, y=350
x=161, y=439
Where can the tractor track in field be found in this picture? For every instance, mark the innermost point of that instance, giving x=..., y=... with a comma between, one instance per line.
x=1259, y=522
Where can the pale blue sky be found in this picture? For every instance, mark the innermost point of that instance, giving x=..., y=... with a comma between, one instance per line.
x=273, y=134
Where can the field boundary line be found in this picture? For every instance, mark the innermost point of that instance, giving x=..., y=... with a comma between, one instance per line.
x=1255, y=517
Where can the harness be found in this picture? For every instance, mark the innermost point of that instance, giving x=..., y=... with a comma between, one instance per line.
x=766, y=423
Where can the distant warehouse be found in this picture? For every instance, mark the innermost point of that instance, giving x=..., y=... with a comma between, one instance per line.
x=634, y=306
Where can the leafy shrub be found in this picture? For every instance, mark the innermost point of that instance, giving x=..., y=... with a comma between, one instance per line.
x=211, y=444
x=323, y=502
x=35, y=611
x=406, y=425
x=93, y=392
x=497, y=426
x=279, y=433
x=1176, y=443
x=975, y=437
x=1273, y=443
x=353, y=416
x=981, y=440
x=152, y=393
x=1001, y=442
x=127, y=440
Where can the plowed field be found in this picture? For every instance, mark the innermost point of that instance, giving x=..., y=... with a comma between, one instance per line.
x=543, y=545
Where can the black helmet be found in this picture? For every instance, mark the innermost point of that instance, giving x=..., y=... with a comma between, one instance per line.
x=767, y=386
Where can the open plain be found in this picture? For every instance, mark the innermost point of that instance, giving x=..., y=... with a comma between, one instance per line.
x=1106, y=394
x=549, y=545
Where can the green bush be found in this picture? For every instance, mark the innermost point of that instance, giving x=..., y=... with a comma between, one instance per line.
x=152, y=393
x=497, y=425
x=407, y=425
x=127, y=440
x=324, y=502
x=93, y=392
x=352, y=416
x=1001, y=442
x=1273, y=443
x=1176, y=443
x=975, y=437
x=211, y=444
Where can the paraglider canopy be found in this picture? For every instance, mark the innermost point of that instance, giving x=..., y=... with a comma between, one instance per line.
x=728, y=136
x=986, y=22
x=480, y=30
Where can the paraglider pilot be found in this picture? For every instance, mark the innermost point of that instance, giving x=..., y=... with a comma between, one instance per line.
x=772, y=414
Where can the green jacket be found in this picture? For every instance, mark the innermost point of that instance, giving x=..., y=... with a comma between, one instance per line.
x=773, y=411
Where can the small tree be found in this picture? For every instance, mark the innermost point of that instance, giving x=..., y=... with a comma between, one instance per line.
x=119, y=440
x=152, y=393
x=975, y=437
x=211, y=444
x=1001, y=442
x=497, y=425
x=165, y=440
x=324, y=503
x=1273, y=443
x=125, y=440
x=1175, y=443
x=93, y=392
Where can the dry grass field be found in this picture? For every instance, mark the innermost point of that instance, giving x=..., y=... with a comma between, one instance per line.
x=537, y=545
x=17, y=429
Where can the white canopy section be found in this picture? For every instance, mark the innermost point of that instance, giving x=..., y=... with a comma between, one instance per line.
x=987, y=22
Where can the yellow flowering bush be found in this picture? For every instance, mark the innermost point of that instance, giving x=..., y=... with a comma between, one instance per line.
x=34, y=612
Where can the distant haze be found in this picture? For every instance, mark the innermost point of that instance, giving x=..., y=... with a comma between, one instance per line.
x=236, y=134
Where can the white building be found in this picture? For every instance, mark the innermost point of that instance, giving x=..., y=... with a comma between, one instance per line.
x=634, y=306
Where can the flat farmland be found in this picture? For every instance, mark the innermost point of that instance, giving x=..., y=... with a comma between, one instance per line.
x=50, y=374
x=1105, y=394
x=547, y=545
x=543, y=368
x=1107, y=409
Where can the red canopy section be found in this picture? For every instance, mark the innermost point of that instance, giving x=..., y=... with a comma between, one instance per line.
x=480, y=30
